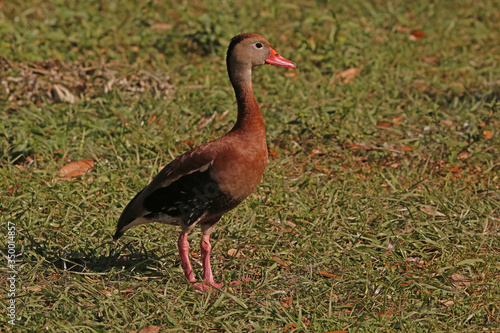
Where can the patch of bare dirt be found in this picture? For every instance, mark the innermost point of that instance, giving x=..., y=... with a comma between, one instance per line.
x=55, y=82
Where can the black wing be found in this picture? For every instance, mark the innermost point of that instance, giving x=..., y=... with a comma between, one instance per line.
x=188, y=197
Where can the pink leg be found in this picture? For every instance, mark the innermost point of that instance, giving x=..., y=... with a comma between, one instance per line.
x=205, y=259
x=183, y=246
x=208, y=277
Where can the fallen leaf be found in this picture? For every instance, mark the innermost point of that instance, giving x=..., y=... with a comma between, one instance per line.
x=234, y=252
x=316, y=152
x=61, y=94
x=460, y=280
x=325, y=273
x=406, y=148
x=14, y=188
x=397, y=120
x=337, y=332
x=149, y=329
x=384, y=124
x=420, y=263
x=448, y=123
x=416, y=35
x=161, y=26
x=286, y=302
x=280, y=262
x=432, y=211
x=432, y=60
x=447, y=303
x=463, y=155
x=189, y=143
x=349, y=74
x=76, y=169
x=488, y=134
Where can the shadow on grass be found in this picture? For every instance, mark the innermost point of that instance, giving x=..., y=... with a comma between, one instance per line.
x=129, y=257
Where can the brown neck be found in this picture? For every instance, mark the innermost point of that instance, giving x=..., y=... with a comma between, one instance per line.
x=249, y=115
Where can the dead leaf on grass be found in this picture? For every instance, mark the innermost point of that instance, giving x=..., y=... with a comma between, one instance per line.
x=61, y=94
x=416, y=35
x=432, y=60
x=420, y=263
x=432, y=211
x=325, y=273
x=14, y=188
x=460, y=280
x=348, y=75
x=447, y=303
x=149, y=329
x=447, y=123
x=463, y=155
x=396, y=121
x=161, y=26
x=316, y=152
x=286, y=302
x=488, y=134
x=75, y=169
x=234, y=253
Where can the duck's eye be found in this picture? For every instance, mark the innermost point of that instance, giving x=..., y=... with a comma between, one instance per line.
x=259, y=45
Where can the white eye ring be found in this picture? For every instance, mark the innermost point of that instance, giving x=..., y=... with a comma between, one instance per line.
x=258, y=45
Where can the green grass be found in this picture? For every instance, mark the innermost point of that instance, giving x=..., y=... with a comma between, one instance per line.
x=342, y=233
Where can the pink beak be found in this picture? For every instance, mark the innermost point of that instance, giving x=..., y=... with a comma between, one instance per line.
x=276, y=59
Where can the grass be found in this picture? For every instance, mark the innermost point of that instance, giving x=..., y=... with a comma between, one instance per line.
x=378, y=211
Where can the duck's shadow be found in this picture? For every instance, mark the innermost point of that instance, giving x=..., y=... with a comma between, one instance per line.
x=109, y=256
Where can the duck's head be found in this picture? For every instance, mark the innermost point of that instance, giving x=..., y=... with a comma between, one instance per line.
x=249, y=50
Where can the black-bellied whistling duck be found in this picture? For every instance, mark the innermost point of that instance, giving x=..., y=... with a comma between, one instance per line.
x=210, y=180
